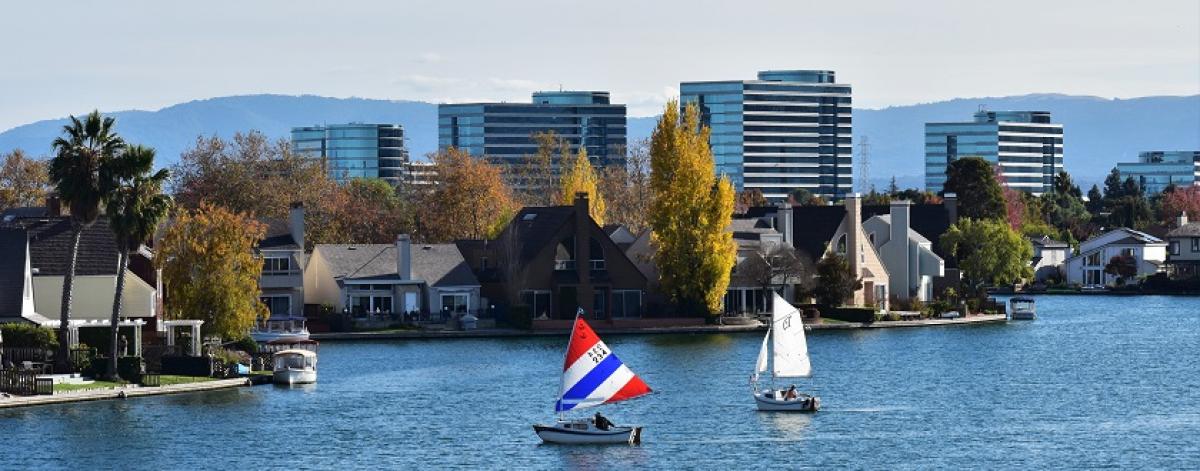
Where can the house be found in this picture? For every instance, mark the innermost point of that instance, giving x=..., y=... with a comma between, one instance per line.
x=755, y=237
x=36, y=251
x=1086, y=268
x=909, y=257
x=1048, y=258
x=557, y=260
x=819, y=230
x=386, y=278
x=281, y=284
x=1183, y=249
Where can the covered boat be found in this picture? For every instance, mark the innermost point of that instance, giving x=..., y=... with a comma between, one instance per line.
x=592, y=375
x=784, y=353
x=1021, y=308
x=295, y=366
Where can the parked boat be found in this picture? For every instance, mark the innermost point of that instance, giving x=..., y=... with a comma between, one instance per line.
x=287, y=329
x=1021, y=308
x=784, y=353
x=592, y=375
x=295, y=366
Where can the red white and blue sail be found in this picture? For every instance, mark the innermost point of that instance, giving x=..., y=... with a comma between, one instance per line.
x=593, y=375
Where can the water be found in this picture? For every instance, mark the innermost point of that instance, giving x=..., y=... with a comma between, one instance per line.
x=1094, y=382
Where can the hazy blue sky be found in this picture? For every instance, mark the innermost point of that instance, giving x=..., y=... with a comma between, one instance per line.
x=59, y=59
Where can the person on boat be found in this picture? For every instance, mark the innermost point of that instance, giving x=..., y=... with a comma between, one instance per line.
x=602, y=422
x=790, y=394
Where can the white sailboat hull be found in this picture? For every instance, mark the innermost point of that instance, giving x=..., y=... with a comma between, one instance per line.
x=295, y=376
x=583, y=433
x=802, y=403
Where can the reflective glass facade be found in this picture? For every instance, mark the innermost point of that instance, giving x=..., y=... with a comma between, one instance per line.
x=788, y=129
x=503, y=132
x=1026, y=145
x=1156, y=170
x=355, y=150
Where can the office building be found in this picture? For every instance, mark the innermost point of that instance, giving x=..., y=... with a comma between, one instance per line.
x=355, y=150
x=503, y=132
x=788, y=129
x=1156, y=170
x=1026, y=145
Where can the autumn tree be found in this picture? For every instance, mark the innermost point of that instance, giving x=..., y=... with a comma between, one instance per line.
x=210, y=271
x=374, y=213
x=988, y=252
x=777, y=265
x=23, y=180
x=1123, y=267
x=1181, y=200
x=580, y=177
x=690, y=210
x=468, y=201
x=749, y=198
x=535, y=179
x=803, y=197
x=626, y=188
x=836, y=282
x=979, y=194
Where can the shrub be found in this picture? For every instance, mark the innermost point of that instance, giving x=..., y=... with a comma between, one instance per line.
x=849, y=313
x=246, y=344
x=131, y=368
x=21, y=335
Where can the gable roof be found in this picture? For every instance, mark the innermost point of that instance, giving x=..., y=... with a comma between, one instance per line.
x=350, y=261
x=278, y=235
x=1191, y=229
x=1047, y=242
x=534, y=226
x=813, y=228
x=13, y=246
x=435, y=264
x=50, y=246
x=912, y=233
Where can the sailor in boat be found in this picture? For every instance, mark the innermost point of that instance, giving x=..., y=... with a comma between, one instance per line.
x=601, y=422
x=791, y=393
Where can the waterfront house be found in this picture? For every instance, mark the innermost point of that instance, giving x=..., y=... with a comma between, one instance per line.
x=909, y=258
x=1048, y=258
x=555, y=260
x=756, y=237
x=429, y=280
x=1086, y=268
x=1183, y=249
x=281, y=284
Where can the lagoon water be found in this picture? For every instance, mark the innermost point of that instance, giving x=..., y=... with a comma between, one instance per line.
x=1094, y=382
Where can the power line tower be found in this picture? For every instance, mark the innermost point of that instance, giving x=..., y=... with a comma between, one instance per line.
x=864, y=164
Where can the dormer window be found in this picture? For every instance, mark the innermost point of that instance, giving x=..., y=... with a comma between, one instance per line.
x=840, y=248
x=277, y=265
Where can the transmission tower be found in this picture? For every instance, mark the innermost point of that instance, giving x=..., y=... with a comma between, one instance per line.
x=864, y=163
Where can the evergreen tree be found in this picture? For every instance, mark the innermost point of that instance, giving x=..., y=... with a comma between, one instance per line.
x=1095, y=202
x=979, y=193
x=1112, y=186
x=581, y=177
x=1131, y=187
x=836, y=282
x=689, y=213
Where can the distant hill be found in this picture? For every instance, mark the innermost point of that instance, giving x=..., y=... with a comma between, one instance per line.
x=1099, y=132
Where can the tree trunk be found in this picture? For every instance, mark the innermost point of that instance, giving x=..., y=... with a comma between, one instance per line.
x=122, y=263
x=62, y=363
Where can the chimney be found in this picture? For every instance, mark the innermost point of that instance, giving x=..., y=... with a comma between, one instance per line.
x=853, y=229
x=950, y=202
x=900, y=221
x=583, y=253
x=784, y=226
x=296, y=223
x=1182, y=220
x=404, y=256
x=53, y=205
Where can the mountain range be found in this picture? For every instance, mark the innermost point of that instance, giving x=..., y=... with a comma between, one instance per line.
x=1098, y=132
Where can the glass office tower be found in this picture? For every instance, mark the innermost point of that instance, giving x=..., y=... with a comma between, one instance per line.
x=1156, y=170
x=355, y=150
x=788, y=129
x=1026, y=145
x=503, y=132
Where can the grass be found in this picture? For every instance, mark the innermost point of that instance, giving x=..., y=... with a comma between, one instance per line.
x=826, y=320
x=83, y=387
x=167, y=380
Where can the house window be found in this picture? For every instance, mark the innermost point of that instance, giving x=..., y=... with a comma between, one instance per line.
x=1175, y=247
x=626, y=304
x=599, y=304
x=1195, y=244
x=1092, y=278
x=841, y=245
x=278, y=306
x=564, y=255
x=596, y=255
x=371, y=304
x=456, y=303
x=538, y=302
x=871, y=236
x=1092, y=259
x=1127, y=252
x=277, y=265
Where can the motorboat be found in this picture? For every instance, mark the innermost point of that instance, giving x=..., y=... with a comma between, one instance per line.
x=784, y=353
x=592, y=375
x=295, y=366
x=1021, y=308
x=286, y=328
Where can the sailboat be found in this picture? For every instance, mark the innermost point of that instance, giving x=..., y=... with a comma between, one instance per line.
x=787, y=351
x=592, y=375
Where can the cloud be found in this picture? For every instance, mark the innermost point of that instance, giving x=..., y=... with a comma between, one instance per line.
x=429, y=58
x=461, y=90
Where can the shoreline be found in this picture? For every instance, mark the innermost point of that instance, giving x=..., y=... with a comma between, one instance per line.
x=121, y=393
x=705, y=329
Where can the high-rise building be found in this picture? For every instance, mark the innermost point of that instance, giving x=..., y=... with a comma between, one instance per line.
x=789, y=129
x=503, y=132
x=1025, y=144
x=1156, y=170
x=355, y=150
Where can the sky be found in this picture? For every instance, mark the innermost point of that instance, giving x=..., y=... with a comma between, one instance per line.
x=60, y=58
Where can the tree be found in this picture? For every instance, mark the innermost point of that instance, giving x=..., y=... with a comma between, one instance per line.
x=776, y=265
x=1095, y=202
x=892, y=187
x=803, y=197
x=135, y=207
x=627, y=188
x=1064, y=185
x=1130, y=211
x=373, y=212
x=749, y=198
x=1131, y=187
x=23, y=181
x=210, y=271
x=1123, y=267
x=690, y=210
x=1112, y=186
x=836, y=282
x=536, y=178
x=469, y=200
x=1183, y=199
x=974, y=182
x=581, y=177
x=988, y=252
x=74, y=171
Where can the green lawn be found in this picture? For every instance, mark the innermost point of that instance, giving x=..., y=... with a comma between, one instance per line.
x=81, y=387
x=167, y=380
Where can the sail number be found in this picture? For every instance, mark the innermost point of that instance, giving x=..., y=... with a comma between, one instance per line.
x=787, y=322
x=597, y=353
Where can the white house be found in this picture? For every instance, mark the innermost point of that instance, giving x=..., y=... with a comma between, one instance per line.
x=907, y=255
x=1048, y=257
x=1087, y=267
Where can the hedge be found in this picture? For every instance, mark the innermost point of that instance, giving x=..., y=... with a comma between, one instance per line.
x=20, y=335
x=849, y=313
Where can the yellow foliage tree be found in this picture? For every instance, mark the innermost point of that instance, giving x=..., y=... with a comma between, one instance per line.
x=581, y=177
x=689, y=213
x=210, y=271
x=469, y=201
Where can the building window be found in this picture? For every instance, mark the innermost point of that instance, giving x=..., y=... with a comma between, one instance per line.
x=538, y=302
x=626, y=303
x=1175, y=247
x=371, y=304
x=841, y=245
x=1092, y=278
x=278, y=306
x=456, y=303
x=1092, y=259
x=277, y=265
x=1195, y=244
x=1128, y=252
x=596, y=255
x=564, y=255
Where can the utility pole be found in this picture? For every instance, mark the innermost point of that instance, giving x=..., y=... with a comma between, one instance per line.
x=864, y=163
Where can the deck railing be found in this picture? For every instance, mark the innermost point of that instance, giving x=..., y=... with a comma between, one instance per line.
x=24, y=383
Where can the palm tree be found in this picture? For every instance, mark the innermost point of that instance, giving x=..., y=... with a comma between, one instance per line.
x=135, y=206
x=75, y=173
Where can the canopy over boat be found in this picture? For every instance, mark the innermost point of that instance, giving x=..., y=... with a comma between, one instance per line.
x=593, y=375
x=789, y=347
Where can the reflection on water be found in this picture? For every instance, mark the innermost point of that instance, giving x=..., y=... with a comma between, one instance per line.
x=784, y=426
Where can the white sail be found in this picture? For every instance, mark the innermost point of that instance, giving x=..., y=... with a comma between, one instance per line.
x=761, y=366
x=790, y=347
